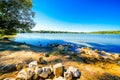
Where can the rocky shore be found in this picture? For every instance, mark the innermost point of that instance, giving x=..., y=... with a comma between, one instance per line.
x=19, y=61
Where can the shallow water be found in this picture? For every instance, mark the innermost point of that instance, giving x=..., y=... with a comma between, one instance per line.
x=107, y=42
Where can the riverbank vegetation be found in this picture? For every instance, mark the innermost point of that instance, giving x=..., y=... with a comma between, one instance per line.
x=97, y=32
x=105, y=32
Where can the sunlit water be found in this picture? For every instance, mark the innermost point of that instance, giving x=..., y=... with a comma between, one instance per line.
x=107, y=42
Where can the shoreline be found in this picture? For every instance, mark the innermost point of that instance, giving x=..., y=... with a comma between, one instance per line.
x=87, y=63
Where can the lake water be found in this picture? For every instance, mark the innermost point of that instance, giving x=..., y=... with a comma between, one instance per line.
x=107, y=42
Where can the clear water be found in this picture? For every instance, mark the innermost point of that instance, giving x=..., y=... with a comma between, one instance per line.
x=107, y=42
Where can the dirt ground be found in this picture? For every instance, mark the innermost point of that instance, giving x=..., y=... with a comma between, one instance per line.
x=13, y=53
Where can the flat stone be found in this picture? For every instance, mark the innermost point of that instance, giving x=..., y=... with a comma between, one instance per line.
x=8, y=68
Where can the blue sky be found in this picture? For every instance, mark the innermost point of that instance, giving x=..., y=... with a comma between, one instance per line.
x=77, y=15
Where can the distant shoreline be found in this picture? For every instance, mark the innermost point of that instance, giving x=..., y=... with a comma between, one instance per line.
x=67, y=32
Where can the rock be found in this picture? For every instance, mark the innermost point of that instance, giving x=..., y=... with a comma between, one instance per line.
x=33, y=64
x=58, y=69
x=116, y=56
x=42, y=61
x=8, y=68
x=46, y=54
x=96, y=51
x=9, y=79
x=44, y=75
x=68, y=57
x=60, y=47
x=118, y=63
x=25, y=74
x=36, y=73
x=20, y=65
x=103, y=52
x=75, y=72
x=68, y=75
x=44, y=72
x=49, y=70
x=108, y=58
x=60, y=78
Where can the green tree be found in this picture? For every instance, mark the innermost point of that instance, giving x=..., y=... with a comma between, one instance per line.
x=16, y=15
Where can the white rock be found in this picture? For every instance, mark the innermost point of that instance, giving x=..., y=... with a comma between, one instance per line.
x=75, y=72
x=9, y=79
x=43, y=75
x=25, y=73
x=116, y=56
x=58, y=69
x=33, y=64
x=68, y=75
x=49, y=70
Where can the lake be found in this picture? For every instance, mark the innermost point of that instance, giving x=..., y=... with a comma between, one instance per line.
x=106, y=42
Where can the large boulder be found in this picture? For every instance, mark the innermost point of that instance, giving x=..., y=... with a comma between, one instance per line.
x=58, y=69
x=33, y=64
x=74, y=71
x=8, y=68
x=25, y=74
x=20, y=65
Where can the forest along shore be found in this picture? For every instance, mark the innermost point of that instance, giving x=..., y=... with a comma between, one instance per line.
x=86, y=64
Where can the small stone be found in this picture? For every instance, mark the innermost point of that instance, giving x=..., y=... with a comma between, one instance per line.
x=8, y=68
x=46, y=54
x=68, y=56
x=42, y=61
x=116, y=56
x=118, y=63
x=103, y=52
x=96, y=50
x=58, y=69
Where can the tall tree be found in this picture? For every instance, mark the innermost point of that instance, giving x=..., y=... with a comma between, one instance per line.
x=16, y=15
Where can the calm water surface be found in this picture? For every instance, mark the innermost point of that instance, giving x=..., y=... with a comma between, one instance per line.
x=107, y=42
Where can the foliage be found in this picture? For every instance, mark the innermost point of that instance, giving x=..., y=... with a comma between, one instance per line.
x=43, y=31
x=16, y=15
x=105, y=32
